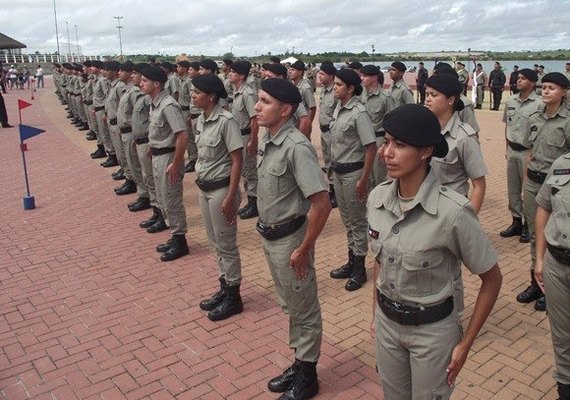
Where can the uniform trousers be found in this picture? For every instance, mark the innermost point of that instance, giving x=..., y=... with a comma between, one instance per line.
x=191, y=147
x=352, y=211
x=557, y=289
x=497, y=96
x=412, y=359
x=170, y=196
x=103, y=131
x=81, y=109
x=326, y=140
x=531, y=189
x=516, y=170
x=249, y=171
x=92, y=121
x=379, y=171
x=222, y=235
x=3, y=113
x=120, y=150
x=480, y=95
x=133, y=163
x=300, y=299
x=146, y=171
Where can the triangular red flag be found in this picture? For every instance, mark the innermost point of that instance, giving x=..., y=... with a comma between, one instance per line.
x=23, y=104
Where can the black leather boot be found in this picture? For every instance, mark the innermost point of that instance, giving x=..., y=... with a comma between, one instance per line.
x=118, y=175
x=514, y=230
x=190, y=166
x=281, y=383
x=305, y=385
x=540, y=304
x=358, y=275
x=111, y=161
x=344, y=271
x=216, y=299
x=179, y=248
x=531, y=293
x=91, y=136
x=250, y=209
x=230, y=305
x=128, y=187
x=156, y=214
x=99, y=153
x=163, y=247
x=525, y=236
x=142, y=203
x=563, y=391
x=84, y=126
x=332, y=197
x=158, y=226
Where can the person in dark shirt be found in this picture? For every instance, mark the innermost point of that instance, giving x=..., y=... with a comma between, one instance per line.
x=497, y=80
x=421, y=82
x=513, y=80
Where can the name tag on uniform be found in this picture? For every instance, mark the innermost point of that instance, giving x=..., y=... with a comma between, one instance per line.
x=565, y=171
x=372, y=233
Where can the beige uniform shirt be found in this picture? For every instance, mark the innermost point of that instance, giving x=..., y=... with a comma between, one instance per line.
x=140, y=117
x=100, y=89
x=401, y=93
x=549, y=138
x=87, y=92
x=172, y=85
x=307, y=94
x=467, y=115
x=116, y=90
x=554, y=196
x=464, y=159
x=327, y=105
x=243, y=108
x=126, y=106
x=351, y=132
x=289, y=172
x=378, y=103
x=185, y=91
x=516, y=115
x=166, y=121
x=216, y=138
x=420, y=251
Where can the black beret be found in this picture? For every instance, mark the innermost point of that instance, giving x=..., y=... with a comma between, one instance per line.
x=556, y=78
x=67, y=65
x=399, y=66
x=155, y=74
x=282, y=90
x=228, y=61
x=195, y=65
x=445, y=83
x=417, y=126
x=112, y=65
x=529, y=74
x=98, y=64
x=355, y=65
x=210, y=84
x=440, y=65
x=264, y=65
x=328, y=68
x=184, y=64
x=241, y=67
x=351, y=78
x=140, y=66
x=127, y=66
x=277, y=69
x=370, y=70
x=209, y=65
x=540, y=66
x=275, y=59
x=165, y=65
x=516, y=66
x=445, y=69
x=298, y=65
x=87, y=63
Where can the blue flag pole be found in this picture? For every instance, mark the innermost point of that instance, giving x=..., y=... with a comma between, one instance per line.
x=27, y=132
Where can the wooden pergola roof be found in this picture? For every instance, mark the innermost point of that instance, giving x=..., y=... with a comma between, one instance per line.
x=6, y=42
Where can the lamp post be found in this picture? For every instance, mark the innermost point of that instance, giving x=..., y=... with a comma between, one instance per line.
x=119, y=27
x=77, y=40
x=56, y=32
x=68, y=39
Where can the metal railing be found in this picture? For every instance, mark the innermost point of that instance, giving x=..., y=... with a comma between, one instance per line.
x=44, y=58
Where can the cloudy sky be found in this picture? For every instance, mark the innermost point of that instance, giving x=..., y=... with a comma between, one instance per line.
x=255, y=27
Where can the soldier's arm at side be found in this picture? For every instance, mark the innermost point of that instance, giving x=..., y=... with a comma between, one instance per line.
x=478, y=193
x=376, y=273
x=305, y=126
x=540, y=221
x=179, y=150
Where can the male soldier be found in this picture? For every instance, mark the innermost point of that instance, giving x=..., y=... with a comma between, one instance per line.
x=399, y=91
x=167, y=138
x=479, y=80
x=356, y=67
x=518, y=109
x=185, y=100
x=301, y=116
x=100, y=89
x=243, y=111
x=225, y=78
x=117, y=88
x=497, y=81
x=291, y=186
x=513, y=79
x=124, y=125
x=378, y=103
x=208, y=66
x=327, y=106
x=87, y=97
x=463, y=76
x=172, y=85
x=421, y=82
x=540, y=72
x=193, y=71
x=567, y=72
x=296, y=73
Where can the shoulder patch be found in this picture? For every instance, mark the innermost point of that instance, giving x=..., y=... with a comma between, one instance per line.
x=297, y=137
x=453, y=195
x=468, y=129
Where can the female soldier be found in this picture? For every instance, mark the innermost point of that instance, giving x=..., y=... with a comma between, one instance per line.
x=464, y=159
x=549, y=130
x=353, y=147
x=420, y=233
x=218, y=170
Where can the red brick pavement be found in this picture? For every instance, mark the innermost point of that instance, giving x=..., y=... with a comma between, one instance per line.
x=89, y=312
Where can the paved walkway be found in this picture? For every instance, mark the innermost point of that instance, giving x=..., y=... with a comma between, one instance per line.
x=87, y=310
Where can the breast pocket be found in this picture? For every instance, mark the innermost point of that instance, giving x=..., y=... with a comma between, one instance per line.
x=422, y=274
x=277, y=182
x=208, y=146
x=555, y=144
x=560, y=192
x=450, y=166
